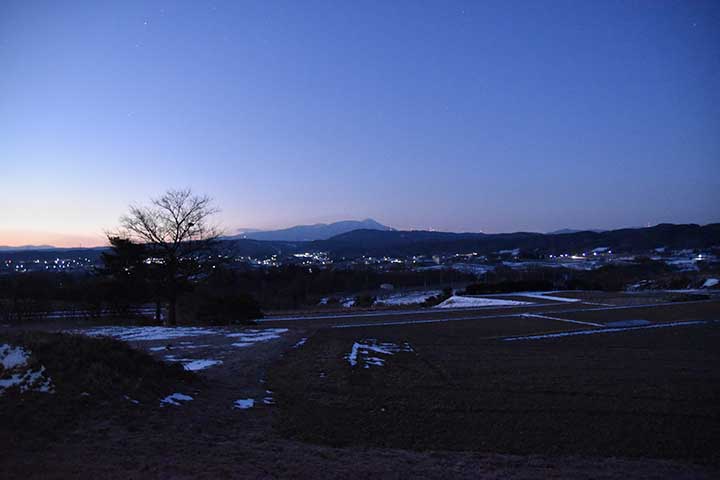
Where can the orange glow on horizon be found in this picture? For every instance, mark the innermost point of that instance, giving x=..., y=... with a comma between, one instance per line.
x=17, y=238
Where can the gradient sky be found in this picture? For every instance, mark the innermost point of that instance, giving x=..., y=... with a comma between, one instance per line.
x=463, y=116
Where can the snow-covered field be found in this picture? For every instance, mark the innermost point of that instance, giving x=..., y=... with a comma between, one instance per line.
x=473, y=268
x=17, y=371
x=365, y=352
x=250, y=337
x=136, y=334
x=407, y=298
x=399, y=298
x=457, y=301
x=243, y=338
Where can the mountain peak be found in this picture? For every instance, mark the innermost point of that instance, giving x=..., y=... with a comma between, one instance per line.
x=318, y=231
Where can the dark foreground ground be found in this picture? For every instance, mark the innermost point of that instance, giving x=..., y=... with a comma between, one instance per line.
x=460, y=402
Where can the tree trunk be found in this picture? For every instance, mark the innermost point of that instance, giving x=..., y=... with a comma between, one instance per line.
x=171, y=319
x=158, y=312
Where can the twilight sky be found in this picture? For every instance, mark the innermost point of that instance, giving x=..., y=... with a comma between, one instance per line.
x=463, y=116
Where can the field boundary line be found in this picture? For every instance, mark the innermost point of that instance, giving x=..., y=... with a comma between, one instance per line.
x=391, y=313
x=510, y=315
x=533, y=315
x=413, y=322
x=607, y=330
x=625, y=307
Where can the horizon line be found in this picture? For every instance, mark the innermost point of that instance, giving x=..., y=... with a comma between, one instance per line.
x=91, y=245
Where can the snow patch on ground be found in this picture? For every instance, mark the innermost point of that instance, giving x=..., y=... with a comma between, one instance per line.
x=13, y=357
x=710, y=282
x=201, y=364
x=457, y=301
x=244, y=403
x=362, y=352
x=301, y=342
x=17, y=371
x=135, y=334
x=175, y=399
x=193, y=364
x=251, y=337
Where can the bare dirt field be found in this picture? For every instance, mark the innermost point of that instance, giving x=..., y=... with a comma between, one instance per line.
x=553, y=389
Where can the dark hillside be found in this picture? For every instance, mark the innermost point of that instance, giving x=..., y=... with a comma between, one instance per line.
x=371, y=242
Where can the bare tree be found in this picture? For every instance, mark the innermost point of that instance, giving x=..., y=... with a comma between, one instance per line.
x=175, y=229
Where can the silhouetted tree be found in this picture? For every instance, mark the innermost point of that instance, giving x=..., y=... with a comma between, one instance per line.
x=134, y=279
x=175, y=232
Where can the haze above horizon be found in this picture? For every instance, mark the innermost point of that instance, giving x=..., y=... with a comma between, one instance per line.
x=456, y=116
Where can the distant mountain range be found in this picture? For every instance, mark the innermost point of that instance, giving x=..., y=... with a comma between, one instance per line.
x=368, y=242
x=4, y=248
x=572, y=230
x=419, y=242
x=309, y=233
x=384, y=241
